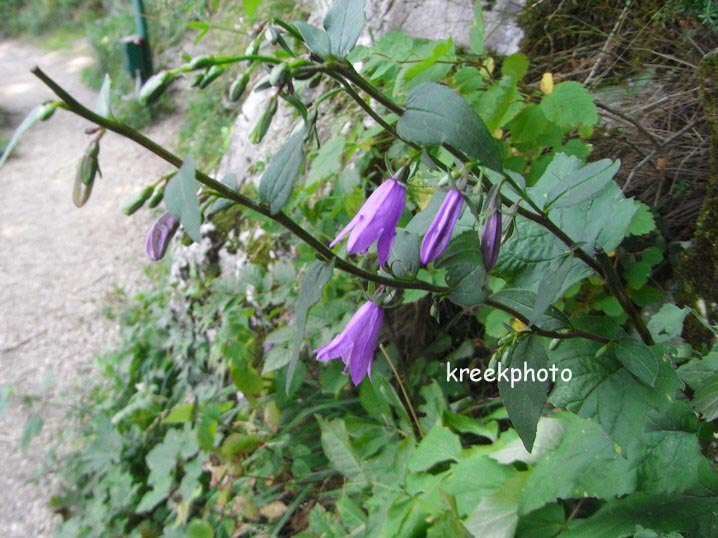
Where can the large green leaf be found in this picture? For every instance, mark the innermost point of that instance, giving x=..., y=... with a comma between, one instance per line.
x=582, y=184
x=570, y=105
x=344, y=23
x=440, y=444
x=527, y=256
x=310, y=292
x=637, y=358
x=549, y=289
x=524, y=400
x=586, y=463
x=705, y=398
x=524, y=302
x=277, y=182
x=181, y=199
x=316, y=39
x=465, y=273
x=497, y=516
x=437, y=115
x=338, y=448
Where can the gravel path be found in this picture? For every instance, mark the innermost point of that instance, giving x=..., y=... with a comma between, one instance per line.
x=58, y=266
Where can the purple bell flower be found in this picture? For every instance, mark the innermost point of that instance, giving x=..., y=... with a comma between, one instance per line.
x=438, y=235
x=160, y=235
x=356, y=344
x=376, y=221
x=491, y=240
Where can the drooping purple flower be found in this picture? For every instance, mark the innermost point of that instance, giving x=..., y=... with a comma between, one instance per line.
x=160, y=235
x=356, y=344
x=491, y=240
x=376, y=221
x=438, y=235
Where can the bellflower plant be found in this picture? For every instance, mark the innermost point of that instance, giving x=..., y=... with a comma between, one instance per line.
x=439, y=233
x=376, y=221
x=160, y=235
x=491, y=240
x=357, y=342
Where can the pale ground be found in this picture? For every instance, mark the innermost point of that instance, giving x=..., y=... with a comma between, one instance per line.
x=58, y=266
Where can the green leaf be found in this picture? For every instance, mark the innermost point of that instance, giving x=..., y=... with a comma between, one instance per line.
x=581, y=184
x=705, y=398
x=473, y=478
x=344, y=23
x=584, y=464
x=524, y=301
x=404, y=258
x=328, y=161
x=315, y=39
x=550, y=288
x=181, y=199
x=310, y=292
x=477, y=29
x=497, y=516
x=500, y=103
x=104, y=100
x=338, y=448
x=437, y=115
x=527, y=255
x=250, y=7
x=637, y=358
x=277, y=183
x=199, y=528
x=465, y=273
x=440, y=51
x=643, y=221
x=691, y=515
x=570, y=106
x=440, y=444
x=29, y=121
x=545, y=522
x=667, y=323
x=525, y=400
x=179, y=414
x=515, y=66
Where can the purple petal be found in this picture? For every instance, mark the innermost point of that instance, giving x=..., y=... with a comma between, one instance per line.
x=363, y=352
x=439, y=233
x=344, y=342
x=160, y=235
x=491, y=240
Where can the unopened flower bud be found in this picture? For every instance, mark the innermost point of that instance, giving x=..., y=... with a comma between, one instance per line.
x=279, y=74
x=155, y=87
x=160, y=235
x=138, y=200
x=210, y=76
x=236, y=90
x=262, y=126
x=546, y=84
x=86, y=171
x=201, y=62
x=491, y=240
x=46, y=111
x=157, y=196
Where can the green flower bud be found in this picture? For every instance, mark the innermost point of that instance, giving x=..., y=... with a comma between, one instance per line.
x=202, y=62
x=262, y=84
x=157, y=196
x=211, y=75
x=138, y=200
x=236, y=90
x=260, y=129
x=155, y=87
x=279, y=75
x=196, y=79
x=86, y=173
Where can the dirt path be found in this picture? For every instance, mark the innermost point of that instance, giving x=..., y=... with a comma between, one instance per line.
x=58, y=266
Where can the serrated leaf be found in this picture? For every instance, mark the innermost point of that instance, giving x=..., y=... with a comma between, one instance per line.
x=344, y=23
x=570, y=105
x=525, y=400
x=181, y=199
x=497, y=516
x=316, y=39
x=440, y=444
x=582, y=184
x=465, y=272
x=338, y=448
x=549, y=289
x=643, y=221
x=637, y=358
x=277, y=183
x=437, y=115
x=310, y=292
x=667, y=323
